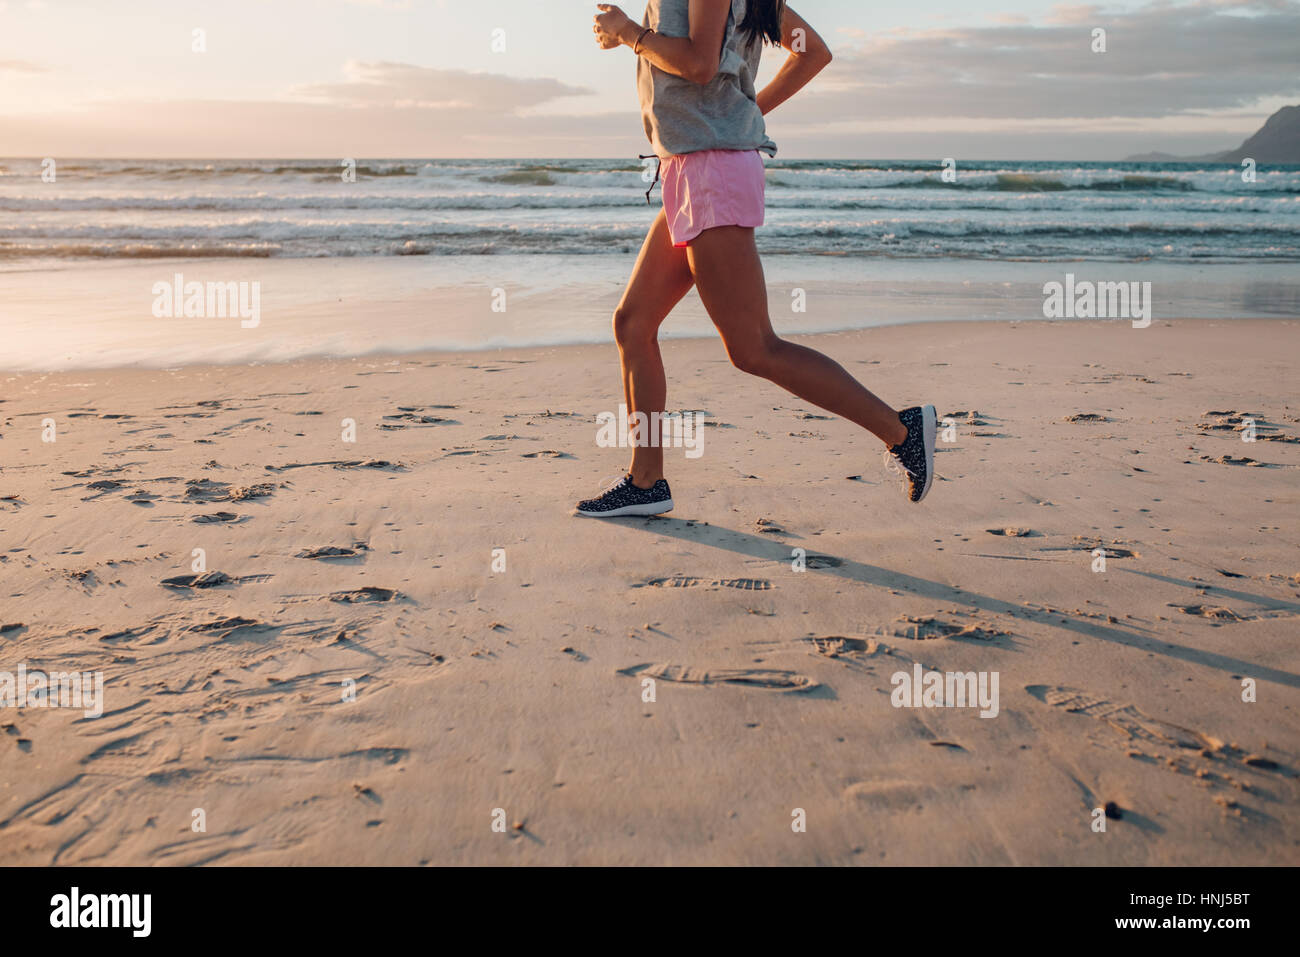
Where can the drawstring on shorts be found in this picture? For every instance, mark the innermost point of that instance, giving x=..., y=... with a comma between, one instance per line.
x=658, y=164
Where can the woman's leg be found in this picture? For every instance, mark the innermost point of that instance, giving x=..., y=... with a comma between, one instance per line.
x=729, y=277
x=659, y=280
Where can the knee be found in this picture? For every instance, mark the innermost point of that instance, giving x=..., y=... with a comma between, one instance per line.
x=631, y=329
x=755, y=358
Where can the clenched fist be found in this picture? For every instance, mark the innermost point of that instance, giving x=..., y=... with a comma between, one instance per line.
x=611, y=26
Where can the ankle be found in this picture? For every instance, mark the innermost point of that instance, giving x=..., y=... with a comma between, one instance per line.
x=645, y=480
x=898, y=437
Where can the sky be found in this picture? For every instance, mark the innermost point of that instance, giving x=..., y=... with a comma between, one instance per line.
x=975, y=79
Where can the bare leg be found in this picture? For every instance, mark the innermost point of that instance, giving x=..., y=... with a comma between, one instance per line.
x=659, y=280
x=729, y=277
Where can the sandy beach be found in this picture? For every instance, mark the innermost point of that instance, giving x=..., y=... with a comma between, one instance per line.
x=393, y=644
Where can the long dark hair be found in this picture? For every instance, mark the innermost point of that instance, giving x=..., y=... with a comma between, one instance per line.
x=763, y=20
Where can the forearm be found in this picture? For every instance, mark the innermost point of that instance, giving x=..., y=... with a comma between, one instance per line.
x=680, y=56
x=809, y=55
x=794, y=75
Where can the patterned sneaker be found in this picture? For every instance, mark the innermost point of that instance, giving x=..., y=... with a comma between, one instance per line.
x=915, y=454
x=624, y=498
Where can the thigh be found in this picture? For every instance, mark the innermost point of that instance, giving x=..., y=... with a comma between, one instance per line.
x=660, y=278
x=729, y=278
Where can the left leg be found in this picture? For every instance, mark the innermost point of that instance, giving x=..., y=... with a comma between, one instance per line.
x=729, y=278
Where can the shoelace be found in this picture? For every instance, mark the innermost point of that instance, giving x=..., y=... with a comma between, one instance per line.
x=615, y=483
x=894, y=464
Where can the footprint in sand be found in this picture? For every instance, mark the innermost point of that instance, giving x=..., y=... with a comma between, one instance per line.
x=1124, y=718
x=213, y=518
x=1265, y=431
x=206, y=490
x=971, y=417
x=1081, y=544
x=382, y=465
x=547, y=453
x=832, y=646
x=206, y=580
x=1243, y=460
x=1086, y=417
x=86, y=576
x=924, y=629
x=687, y=581
x=1182, y=746
x=127, y=634
x=334, y=551
x=231, y=627
x=102, y=488
x=414, y=416
x=858, y=654
x=1213, y=612
x=548, y=414
x=367, y=594
x=773, y=679
x=891, y=795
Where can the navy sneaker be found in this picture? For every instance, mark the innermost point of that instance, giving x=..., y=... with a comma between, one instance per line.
x=916, y=452
x=624, y=498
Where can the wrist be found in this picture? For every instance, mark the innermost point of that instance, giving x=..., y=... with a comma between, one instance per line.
x=630, y=32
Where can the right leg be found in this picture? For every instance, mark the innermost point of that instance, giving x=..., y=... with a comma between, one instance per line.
x=661, y=277
x=729, y=277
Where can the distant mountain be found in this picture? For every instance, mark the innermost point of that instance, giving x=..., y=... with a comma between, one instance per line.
x=1158, y=157
x=1277, y=141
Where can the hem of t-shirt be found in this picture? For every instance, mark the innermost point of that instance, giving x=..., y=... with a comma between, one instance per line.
x=769, y=150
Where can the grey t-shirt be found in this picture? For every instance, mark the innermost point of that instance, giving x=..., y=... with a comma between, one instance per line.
x=723, y=114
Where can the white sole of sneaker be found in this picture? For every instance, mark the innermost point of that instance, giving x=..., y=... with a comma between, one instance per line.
x=647, y=508
x=929, y=424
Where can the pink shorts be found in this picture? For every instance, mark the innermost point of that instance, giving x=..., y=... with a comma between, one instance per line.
x=711, y=188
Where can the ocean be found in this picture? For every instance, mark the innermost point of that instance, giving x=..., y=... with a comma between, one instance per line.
x=1009, y=211
x=480, y=254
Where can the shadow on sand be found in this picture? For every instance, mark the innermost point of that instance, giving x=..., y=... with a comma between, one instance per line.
x=756, y=546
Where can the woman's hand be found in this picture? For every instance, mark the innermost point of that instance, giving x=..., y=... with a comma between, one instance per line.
x=611, y=26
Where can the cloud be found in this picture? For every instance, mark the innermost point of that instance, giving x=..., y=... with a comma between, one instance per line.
x=1161, y=60
x=404, y=86
x=230, y=128
x=1188, y=78
x=20, y=66
x=379, y=109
